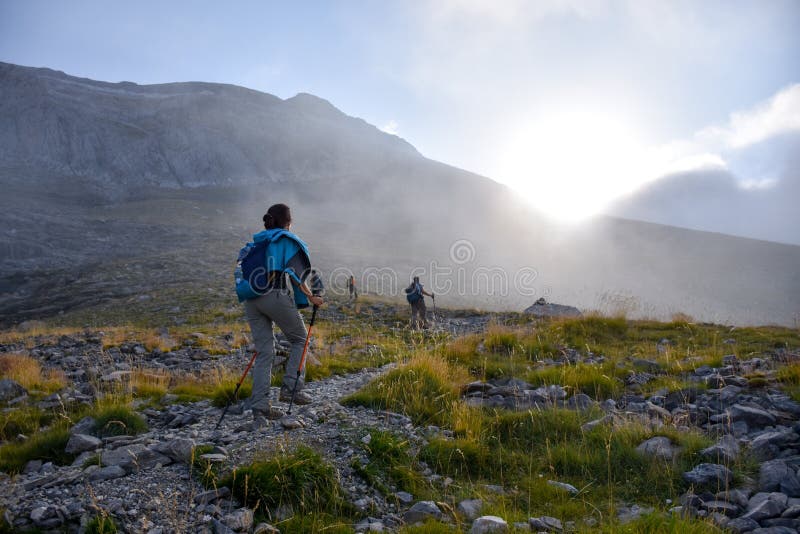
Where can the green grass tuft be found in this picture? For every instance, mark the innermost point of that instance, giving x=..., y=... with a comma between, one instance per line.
x=118, y=420
x=101, y=525
x=421, y=389
x=47, y=445
x=300, y=479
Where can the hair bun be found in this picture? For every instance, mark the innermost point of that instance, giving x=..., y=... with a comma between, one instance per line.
x=268, y=217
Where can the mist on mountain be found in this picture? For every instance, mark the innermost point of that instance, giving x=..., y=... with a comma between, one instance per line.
x=116, y=190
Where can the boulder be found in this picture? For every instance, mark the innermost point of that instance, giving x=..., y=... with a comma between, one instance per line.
x=542, y=308
x=725, y=450
x=754, y=417
x=569, y=488
x=658, y=447
x=771, y=474
x=487, y=524
x=545, y=524
x=791, y=485
x=470, y=508
x=212, y=495
x=709, y=475
x=721, y=507
x=84, y=426
x=107, y=473
x=421, y=511
x=134, y=457
x=178, y=449
x=769, y=444
x=767, y=508
x=10, y=389
x=79, y=443
x=240, y=520
x=741, y=525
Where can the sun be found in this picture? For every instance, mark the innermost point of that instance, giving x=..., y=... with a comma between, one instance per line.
x=571, y=165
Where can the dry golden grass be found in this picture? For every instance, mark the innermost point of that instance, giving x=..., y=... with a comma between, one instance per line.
x=32, y=336
x=150, y=382
x=29, y=373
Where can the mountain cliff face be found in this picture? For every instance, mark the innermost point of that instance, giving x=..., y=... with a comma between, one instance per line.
x=125, y=137
x=120, y=191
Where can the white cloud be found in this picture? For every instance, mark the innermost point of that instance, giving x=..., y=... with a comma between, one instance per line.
x=725, y=146
x=780, y=114
x=390, y=127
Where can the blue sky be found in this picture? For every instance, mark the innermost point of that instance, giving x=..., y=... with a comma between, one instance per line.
x=548, y=96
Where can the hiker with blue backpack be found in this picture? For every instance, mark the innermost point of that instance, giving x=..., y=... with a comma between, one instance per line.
x=266, y=268
x=415, y=295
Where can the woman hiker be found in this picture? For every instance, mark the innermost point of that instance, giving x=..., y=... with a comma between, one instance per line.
x=287, y=258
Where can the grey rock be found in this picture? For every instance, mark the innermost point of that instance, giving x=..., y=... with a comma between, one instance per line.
x=709, y=475
x=791, y=485
x=627, y=514
x=107, y=473
x=754, y=417
x=786, y=522
x=487, y=524
x=84, y=426
x=658, y=447
x=725, y=450
x=31, y=467
x=769, y=444
x=470, y=508
x=775, y=530
x=545, y=309
x=741, y=525
x=762, y=496
x=178, y=449
x=721, y=507
x=218, y=527
x=212, y=495
x=580, y=401
x=766, y=509
x=792, y=512
x=134, y=457
x=240, y=520
x=771, y=474
x=569, y=488
x=421, y=511
x=739, y=497
x=79, y=443
x=404, y=497
x=608, y=419
x=11, y=389
x=545, y=524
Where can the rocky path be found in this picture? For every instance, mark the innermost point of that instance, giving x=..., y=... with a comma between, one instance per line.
x=144, y=481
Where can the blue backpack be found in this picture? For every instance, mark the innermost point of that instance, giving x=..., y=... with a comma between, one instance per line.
x=251, y=273
x=413, y=293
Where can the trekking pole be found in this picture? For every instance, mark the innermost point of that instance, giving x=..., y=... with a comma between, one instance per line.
x=303, y=357
x=235, y=391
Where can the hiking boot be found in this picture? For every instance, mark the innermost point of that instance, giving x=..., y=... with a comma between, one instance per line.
x=270, y=413
x=300, y=398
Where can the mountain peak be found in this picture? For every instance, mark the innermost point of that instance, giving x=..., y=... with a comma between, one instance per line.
x=313, y=103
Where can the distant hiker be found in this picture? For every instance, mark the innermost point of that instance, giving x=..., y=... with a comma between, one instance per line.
x=351, y=286
x=277, y=254
x=415, y=295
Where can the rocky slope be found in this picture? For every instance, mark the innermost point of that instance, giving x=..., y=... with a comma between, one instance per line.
x=144, y=482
